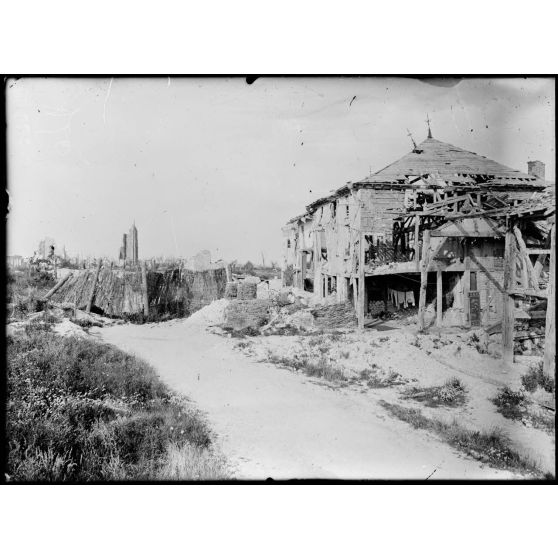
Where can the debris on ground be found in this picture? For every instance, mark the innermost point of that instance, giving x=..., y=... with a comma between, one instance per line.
x=212, y=314
x=335, y=316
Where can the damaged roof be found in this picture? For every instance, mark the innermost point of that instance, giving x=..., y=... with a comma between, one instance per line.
x=444, y=163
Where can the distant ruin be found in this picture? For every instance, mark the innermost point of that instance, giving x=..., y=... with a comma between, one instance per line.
x=129, y=248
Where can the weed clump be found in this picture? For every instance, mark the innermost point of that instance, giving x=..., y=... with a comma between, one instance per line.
x=452, y=393
x=320, y=369
x=514, y=405
x=490, y=447
x=536, y=377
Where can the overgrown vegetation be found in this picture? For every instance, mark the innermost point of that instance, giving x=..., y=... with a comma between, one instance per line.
x=490, y=447
x=321, y=369
x=451, y=393
x=25, y=291
x=376, y=378
x=536, y=378
x=81, y=411
x=514, y=405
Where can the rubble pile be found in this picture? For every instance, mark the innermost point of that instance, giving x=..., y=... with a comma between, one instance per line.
x=247, y=290
x=334, y=315
x=529, y=339
x=231, y=289
x=212, y=314
x=243, y=314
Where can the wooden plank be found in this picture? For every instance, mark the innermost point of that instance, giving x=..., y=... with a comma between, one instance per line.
x=526, y=292
x=508, y=318
x=57, y=286
x=534, y=251
x=417, y=245
x=549, y=363
x=439, y=293
x=92, y=292
x=423, y=277
x=361, y=284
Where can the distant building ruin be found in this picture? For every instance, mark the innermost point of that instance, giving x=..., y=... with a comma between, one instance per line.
x=46, y=248
x=199, y=262
x=129, y=248
x=536, y=168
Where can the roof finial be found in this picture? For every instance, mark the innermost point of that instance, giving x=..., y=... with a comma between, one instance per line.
x=411, y=136
x=428, y=122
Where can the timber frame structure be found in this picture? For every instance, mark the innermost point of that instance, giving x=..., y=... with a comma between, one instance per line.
x=484, y=230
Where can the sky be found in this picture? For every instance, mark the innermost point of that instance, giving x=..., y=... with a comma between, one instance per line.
x=220, y=164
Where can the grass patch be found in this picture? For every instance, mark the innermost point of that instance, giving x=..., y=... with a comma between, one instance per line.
x=320, y=369
x=25, y=291
x=490, y=447
x=536, y=378
x=515, y=406
x=80, y=411
x=450, y=394
x=376, y=378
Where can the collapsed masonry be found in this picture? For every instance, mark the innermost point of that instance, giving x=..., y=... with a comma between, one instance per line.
x=141, y=294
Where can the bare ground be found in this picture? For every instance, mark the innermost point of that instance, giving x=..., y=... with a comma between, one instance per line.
x=272, y=422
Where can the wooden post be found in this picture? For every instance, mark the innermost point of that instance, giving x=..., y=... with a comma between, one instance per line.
x=361, y=284
x=416, y=244
x=509, y=306
x=229, y=273
x=57, y=286
x=439, y=298
x=549, y=365
x=385, y=296
x=92, y=293
x=144, y=290
x=423, y=277
x=302, y=269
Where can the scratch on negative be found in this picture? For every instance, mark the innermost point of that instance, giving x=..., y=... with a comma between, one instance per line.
x=106, y=99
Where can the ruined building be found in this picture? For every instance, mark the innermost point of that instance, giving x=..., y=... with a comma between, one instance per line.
x=129, y=249
x=427, y=230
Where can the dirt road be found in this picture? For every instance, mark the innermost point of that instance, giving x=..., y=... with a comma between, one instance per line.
x=275, y=423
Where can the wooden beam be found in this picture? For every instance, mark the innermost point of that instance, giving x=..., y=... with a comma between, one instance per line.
x=92, y=292
x=549, y=363
x=423, y=277
x=509, y=306
x=439, y=297
x=540, y=251
x=416, y=245
x=361, y=284
x=57, y=286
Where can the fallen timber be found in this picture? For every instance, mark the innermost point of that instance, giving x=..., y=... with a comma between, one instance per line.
x=141, y=295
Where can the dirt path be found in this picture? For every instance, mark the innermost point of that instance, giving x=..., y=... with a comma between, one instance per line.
x=275, y=423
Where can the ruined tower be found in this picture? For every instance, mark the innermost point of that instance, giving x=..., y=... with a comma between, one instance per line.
x=132, y=245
